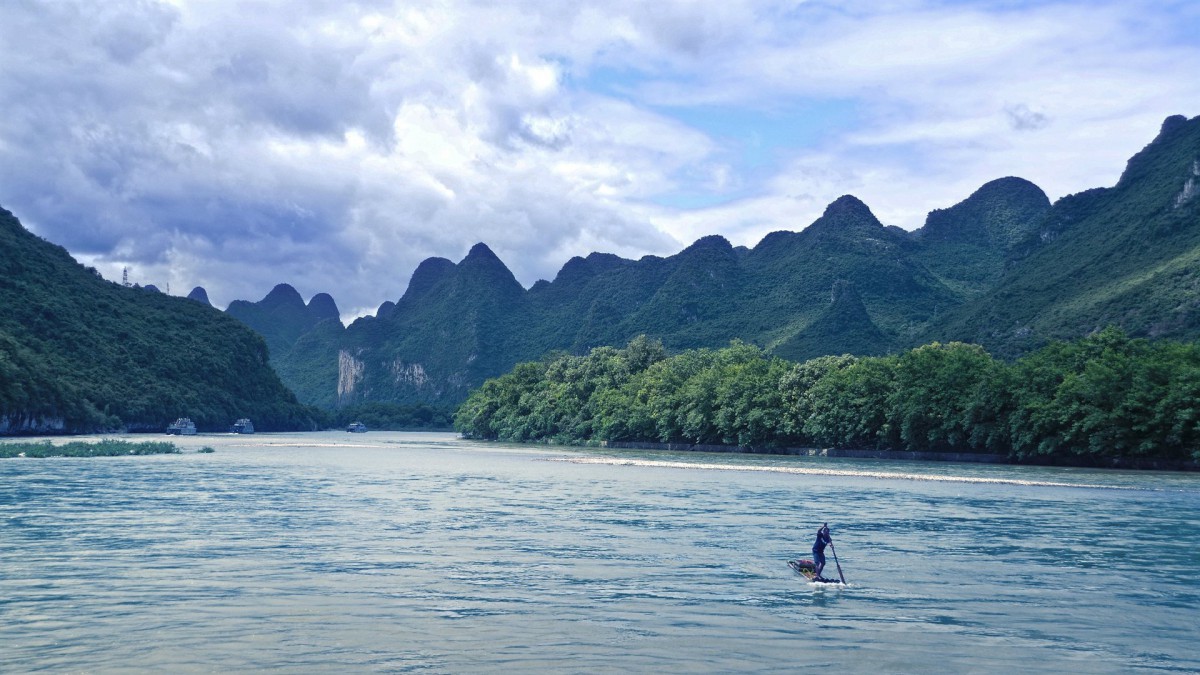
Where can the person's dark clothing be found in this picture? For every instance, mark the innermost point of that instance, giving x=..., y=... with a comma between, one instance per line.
x=818, y=549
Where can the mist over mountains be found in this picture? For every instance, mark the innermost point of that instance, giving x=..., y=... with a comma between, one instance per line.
x=1004, y=268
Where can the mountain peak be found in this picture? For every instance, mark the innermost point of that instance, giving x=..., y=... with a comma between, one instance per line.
x=576, y=270
x=1008, y=184
x=481, y=251
x=1169, y=157
x=775, y=240
x=199, y=295
x=283, y=295
x=847, y=218
x=322, y=307
x=427, y=274
x=1172, y=123
x=848, y=206
x=999, y=214
x=713, y=242
x=481, y=263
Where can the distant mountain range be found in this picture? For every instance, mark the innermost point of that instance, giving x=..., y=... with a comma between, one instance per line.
x=79, y=354
x=1003, y=268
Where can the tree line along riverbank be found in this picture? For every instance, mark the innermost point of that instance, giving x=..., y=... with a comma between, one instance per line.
x=1089, y=401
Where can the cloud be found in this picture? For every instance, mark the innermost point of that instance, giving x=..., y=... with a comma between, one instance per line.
x=334, y=145
x=1021, y=118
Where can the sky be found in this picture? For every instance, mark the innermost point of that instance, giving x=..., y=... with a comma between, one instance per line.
x=333, y=145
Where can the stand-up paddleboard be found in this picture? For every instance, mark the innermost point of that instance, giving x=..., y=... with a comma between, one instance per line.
x=809, y=570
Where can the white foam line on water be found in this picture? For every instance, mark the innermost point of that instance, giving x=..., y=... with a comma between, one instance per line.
x=293, y=444
x=885, y=475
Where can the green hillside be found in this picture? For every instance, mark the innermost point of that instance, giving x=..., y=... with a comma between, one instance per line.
x=967, y=246
x=1128, y=256
x=454, y=326
x=1003, y=268
x=282, y=317
x=78, y=353
x=846, y=283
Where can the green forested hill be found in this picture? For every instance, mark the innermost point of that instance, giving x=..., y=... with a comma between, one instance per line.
x=968, y=246
x=846, y=283
x=1128, y=255
x=282, y=317
x=1003, y=268
x=78, y=353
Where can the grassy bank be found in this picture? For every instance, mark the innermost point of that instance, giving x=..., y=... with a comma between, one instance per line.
x=105, y=448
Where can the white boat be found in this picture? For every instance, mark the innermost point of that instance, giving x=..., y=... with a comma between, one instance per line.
x=181, y=427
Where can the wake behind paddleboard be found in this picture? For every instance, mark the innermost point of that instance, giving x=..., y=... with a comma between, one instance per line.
x=809, y=570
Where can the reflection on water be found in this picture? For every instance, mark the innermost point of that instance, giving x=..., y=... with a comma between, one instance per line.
x=421, y=552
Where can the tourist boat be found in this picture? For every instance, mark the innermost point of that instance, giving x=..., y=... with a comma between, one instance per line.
x=242, y=426
x=357, y=428
x=181, y=427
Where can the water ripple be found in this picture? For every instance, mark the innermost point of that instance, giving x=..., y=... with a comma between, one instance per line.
x=423, y=553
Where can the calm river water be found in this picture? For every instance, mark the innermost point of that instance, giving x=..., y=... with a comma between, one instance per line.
x=420, y=552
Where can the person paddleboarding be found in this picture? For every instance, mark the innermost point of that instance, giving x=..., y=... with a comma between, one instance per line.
x=818, y=549
x=811, y=569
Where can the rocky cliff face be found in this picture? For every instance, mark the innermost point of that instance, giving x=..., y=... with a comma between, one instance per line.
x=24, y=423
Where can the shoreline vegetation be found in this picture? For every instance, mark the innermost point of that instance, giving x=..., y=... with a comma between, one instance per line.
x=1105, y=400
x=104, y=448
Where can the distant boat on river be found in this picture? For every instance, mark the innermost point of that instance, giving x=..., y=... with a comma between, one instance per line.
x=357, y=428
x=181, y=427
x=242, y=426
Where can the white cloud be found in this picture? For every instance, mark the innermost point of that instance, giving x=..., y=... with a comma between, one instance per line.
x=334, y=145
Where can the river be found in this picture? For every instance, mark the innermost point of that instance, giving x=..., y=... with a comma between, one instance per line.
x=406, y=552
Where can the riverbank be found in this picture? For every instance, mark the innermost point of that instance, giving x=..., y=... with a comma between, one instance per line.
x=1136, y=463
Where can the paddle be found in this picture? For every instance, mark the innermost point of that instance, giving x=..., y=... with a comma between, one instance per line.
x=835, y=562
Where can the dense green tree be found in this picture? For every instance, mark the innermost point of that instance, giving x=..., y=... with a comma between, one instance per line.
x=935, y=386
x=1100, y=397
x=1106, y=395
x=799, y=402
x=850, y=405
